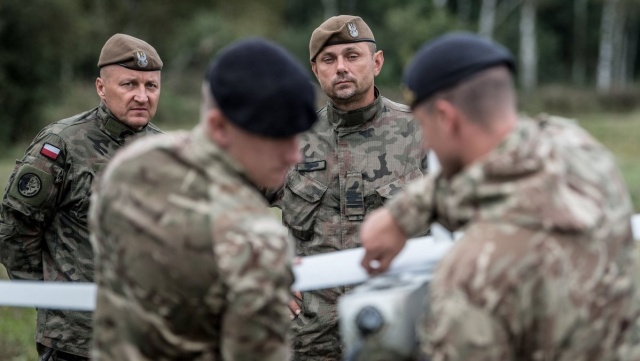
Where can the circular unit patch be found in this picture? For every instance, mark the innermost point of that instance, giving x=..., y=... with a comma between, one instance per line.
x=29, y=185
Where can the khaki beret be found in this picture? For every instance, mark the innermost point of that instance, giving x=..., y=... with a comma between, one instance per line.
x=129, y=52
x=339, y=29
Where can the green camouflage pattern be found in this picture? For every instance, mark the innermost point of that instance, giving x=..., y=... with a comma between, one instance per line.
x=190, y=262
x=546, y=269
x=352, y=162
x=43, y=218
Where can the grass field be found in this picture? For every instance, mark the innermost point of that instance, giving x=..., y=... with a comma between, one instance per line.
x=620, y=133
x=17, y=325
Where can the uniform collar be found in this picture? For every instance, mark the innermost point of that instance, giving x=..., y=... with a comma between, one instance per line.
x=517, y=180
x=113, y=127
x=209, y=155
x=353, y=119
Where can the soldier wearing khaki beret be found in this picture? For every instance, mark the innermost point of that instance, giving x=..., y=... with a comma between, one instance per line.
x=43, y=217
x=363, y=150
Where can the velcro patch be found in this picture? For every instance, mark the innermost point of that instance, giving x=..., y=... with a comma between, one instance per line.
x=50, y=151
x=32, y=185
x=354, y=197
x=311, y=166
x=29, y=185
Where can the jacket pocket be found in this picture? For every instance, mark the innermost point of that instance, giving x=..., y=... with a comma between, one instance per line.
x=302, y=197
x=390, y=189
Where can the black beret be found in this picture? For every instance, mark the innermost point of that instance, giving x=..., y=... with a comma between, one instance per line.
x=262, y=89
x=448, y=60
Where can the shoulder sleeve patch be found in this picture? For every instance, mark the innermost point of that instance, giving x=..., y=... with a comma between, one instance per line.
x=32, y=185
x=50, y=151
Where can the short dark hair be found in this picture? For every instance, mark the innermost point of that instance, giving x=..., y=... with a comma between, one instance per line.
x=482, y=95
x=373, y=48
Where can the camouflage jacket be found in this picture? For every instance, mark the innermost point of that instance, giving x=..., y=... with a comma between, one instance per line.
x=43, y=219
x=190, y=262
x=546, y=269
x=352, y=162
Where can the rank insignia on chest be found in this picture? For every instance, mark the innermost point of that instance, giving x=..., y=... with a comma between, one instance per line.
x=50, y=151
x=311, y=166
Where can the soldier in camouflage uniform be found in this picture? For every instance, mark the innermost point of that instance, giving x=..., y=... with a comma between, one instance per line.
x=43, y=219
x=363, y=150
x=546, y=269
x=190, y=262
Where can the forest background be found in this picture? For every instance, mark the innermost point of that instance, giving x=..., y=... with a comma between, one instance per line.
x=49, y=48
x=576, y=58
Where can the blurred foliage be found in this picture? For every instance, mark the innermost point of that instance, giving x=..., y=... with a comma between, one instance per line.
x=50, y=46
x=562, y=99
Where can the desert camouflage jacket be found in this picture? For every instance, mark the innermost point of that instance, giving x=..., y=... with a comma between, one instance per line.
x=352, y=162
x=43, y=219
x=546, y=269
x=190, y=262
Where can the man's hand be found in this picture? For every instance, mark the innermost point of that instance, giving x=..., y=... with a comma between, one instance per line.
x=382, y=240
x=294, y=305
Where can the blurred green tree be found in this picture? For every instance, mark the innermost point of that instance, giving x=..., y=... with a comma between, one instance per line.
x=47, y=45
x=36, y=57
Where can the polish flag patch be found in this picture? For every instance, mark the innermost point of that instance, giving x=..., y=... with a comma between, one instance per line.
x=50, y=151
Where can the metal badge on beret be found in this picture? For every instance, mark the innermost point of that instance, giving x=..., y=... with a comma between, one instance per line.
x=142, y=59
x=353, y=30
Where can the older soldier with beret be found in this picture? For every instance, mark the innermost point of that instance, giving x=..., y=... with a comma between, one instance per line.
x=190, y=262
x=43, y=218
x=547, y=268
x=363, y=150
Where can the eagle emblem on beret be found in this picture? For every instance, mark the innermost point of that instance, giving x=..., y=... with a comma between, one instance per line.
x=353, y=31
x=142, y=59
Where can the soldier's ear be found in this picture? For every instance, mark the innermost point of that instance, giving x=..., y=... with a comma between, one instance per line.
x=378, y=60
x=100, y=87
x=218, y=128
x=447, y=116
x=314, y=68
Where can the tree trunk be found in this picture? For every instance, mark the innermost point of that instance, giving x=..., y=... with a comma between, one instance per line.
x=579, y=68
x=487, y=18
x=440, y=3
x=528, y=49
x=504, y=10
x=605, y=56
x=464, y=11
x=620, y=49
x=633, y=44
